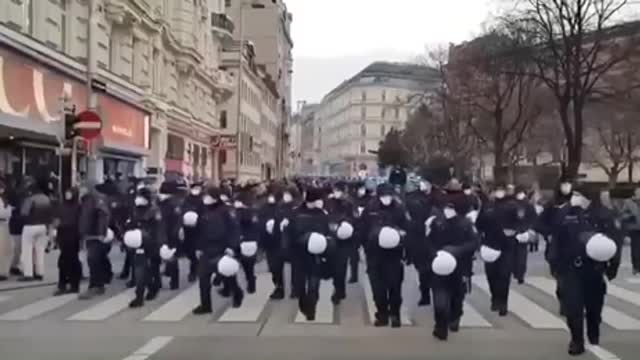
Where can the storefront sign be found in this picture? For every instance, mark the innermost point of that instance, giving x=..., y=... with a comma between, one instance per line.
x=223, y=142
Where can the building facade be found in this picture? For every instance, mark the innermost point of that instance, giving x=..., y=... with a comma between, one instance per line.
x=256, y=107
x=155, y=67
x=354, y=117
x=267, y=25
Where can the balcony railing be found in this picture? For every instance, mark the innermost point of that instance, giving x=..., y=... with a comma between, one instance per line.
x=222, y=21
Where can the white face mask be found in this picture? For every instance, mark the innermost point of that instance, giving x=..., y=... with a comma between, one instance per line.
x=500, y=194
x=565, y=188
x=319, y=204
x=208, y=200
x=271, y=200
x=67, y=195
x=337, y=194
x=141, y=201
x=386, y=200
x=238, y=204
x=467, y=192
x=163, y=197
x=196, y=191
x=287, y=198
x=449, y=212
x=520, y=196
x=361, y=192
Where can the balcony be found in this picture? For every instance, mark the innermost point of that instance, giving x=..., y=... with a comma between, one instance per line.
x=222, y=25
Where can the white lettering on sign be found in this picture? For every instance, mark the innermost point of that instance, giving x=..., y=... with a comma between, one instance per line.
x=122, y=131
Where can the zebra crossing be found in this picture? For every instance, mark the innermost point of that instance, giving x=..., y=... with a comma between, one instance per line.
x=622, y=313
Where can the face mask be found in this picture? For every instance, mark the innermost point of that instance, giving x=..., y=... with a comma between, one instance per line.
x=361, y=192
x=163, y=197
x=386, y=200
x=521, y=196
x=467, y=192
x=337, y=194
x=141, y=201
x=271, y=200
x=319, y=204
x=500, y=194
x=238, y=204
x=287, y=198
x=208, y=200
x=67, y=195
x=224, y=198
x=565, y=188
x=140, y=187
x=195, y=191
x=449, y=212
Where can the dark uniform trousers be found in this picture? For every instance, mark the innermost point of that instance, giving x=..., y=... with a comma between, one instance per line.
x=147, y=272
x=386, y=276
x=248, y=264
x=275, y=262
x=341, y=259
x=207, y=266
x=307, y=283
x=448, y=299
x=69, y=267
x=99, y=264
x=583, y=291
x=499, y=278
x=521, y=257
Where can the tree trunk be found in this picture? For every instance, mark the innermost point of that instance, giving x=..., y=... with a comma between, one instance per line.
x=613, y=179
x=572, y=167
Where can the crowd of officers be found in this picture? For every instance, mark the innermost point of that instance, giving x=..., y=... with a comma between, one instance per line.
x=319, y=230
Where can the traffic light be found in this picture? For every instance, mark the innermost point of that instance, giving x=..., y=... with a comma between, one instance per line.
x=70, y=119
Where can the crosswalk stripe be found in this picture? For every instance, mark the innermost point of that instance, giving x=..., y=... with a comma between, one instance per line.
x=4, y=298
x=531, y=313
x=472, y=318
x=611, y=316
x=177, y=308
x=634, y=280
x=107, y=308
x=38, y=308
x=324, y=309
x=253, y=304
x=624, y=294
x=371, y=307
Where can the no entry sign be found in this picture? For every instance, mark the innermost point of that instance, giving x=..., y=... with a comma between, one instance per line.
x=88, y=124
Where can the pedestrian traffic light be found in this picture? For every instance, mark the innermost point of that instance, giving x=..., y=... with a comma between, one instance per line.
x=70, y=119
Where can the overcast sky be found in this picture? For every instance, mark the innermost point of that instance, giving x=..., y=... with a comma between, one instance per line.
x=334, y=39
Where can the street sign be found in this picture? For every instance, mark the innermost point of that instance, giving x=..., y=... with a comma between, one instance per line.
x=223, y=142
x=88, y=125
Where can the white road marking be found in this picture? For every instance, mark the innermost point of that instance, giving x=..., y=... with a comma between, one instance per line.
x=531, y=313
x=602, y=353
x=4, y=298
x=151, y=347
x=38, y=308
x=634, y=280
x=371, y=306
x=623, y=294
x=107, y=308
x=177, y=308
x=324, y=309
x=611, y=316
x=253, y=304
x=472, y=318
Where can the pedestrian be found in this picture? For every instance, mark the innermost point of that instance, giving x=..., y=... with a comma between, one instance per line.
x=37, y=213
x=68, y=240
x=631, y=218
x=341, y=217
x=170, y=203
x=6, y=242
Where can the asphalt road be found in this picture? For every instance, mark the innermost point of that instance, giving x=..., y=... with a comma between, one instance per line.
x=34, y=325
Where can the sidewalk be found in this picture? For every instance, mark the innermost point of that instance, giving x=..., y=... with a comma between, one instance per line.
x=51, y=270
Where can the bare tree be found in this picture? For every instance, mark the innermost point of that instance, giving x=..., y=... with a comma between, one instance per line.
x=573, y=44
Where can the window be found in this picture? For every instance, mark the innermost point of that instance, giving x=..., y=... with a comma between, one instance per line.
x=175, y=147
x=227, y=3
x=63, y=24
x=364, y=96
x=222, y=157
x=363, y=130
x=382, y=113
x=397, y=114
x=384, y=95
x=27, y=11
x=363, y=148
x=223, y=119
x=382, y=131
x=363, y=113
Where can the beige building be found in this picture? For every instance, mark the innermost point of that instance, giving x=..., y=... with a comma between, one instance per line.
x=355, y=116
x=259, y=117
x=267, y=25
x=155, y=64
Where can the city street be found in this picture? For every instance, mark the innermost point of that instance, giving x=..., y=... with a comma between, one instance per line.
x=34, y=325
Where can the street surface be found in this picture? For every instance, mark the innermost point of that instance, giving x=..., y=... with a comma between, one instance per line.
x=34, y=325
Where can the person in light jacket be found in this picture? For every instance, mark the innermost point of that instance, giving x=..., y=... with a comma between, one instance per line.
x=631, y=219
x=37, y=213
x=6, y=242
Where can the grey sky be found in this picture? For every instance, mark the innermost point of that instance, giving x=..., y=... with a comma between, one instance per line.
x=336, y=38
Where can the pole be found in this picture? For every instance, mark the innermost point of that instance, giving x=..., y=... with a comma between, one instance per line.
x=92, y=66
x=239, y=95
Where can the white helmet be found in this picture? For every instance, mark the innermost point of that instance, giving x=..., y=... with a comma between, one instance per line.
x=190, y=218
x=601, y=248
x=345, y=231
x=228, y=266
x=317, y=244
x=165, y=253
x=523, y=238
x=444, y=263
x=133, y=238
x=388, y=238
x=489, y=254
x=248, y=248
x=269, y=226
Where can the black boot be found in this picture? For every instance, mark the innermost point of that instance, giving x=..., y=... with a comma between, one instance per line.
x=440, y=334
x=576, y=348
x=424, y=300
x=593, y=334
x=251, y=286
x=61, y=291
x=201, y=309
x=152, y=294
x=136, y=303
x=337, y=297
x=454, y=326
x=395, y=321
x=381, y=320
x=238, y=296
x=192, y=277
x=224, y=292
x=277, y=294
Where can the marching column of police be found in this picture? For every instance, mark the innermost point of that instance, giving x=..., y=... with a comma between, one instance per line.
x=319, y=230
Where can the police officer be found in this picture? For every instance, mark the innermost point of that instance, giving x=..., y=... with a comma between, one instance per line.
x=286, y=210
x=122, y=207
x=361, y=197
x=311, y=248
x=170, y=203
x=68, y=240
x=217, y=237
x=588, y=246
x=386, y=222
x=249, y=223
x=453, y=240
x=271, y=242
x=341, y=220
x=525, y=218
x=193, y=207
x=144, y=234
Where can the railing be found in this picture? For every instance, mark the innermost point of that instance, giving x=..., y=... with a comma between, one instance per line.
x=221, y=21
